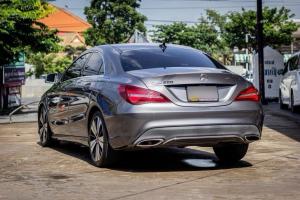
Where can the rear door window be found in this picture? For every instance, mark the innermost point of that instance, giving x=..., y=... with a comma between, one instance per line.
x=76, y=67
x=94, y=65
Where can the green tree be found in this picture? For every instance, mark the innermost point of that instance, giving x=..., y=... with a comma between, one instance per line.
x=203, y=35
x=216, y=19
x=73, y=52
x=113, y=21
x=19, y=29
x=170, y=33
x=48, y=63
x=278, y=27
x=53, y=62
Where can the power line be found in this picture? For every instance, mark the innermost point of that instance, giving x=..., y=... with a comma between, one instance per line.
x=211, y=7
x=171, y=21
x=223, y=1
x=202, y=7
x=194, y=7
x=270, y=2
x=210, y=0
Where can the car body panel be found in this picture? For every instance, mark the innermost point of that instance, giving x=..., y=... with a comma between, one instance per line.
x=290, y=81
x=164, y=80
x=200, y=122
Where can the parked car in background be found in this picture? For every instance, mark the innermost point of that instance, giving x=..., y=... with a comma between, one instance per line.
x=133, y=96
x=289, y=92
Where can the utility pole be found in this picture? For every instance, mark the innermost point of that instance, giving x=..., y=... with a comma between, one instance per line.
x=247, y=53
x=260, y=45
x=247, y=36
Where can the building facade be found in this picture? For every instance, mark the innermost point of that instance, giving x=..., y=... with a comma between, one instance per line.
x=70, y=27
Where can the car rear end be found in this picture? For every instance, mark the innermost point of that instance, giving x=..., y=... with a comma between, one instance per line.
x=190, y=100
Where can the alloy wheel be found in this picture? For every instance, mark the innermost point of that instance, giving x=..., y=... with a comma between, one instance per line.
x=43, y=127
x=96, y=138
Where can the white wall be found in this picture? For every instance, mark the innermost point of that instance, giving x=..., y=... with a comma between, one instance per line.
x=274, y=66
x=34, y=88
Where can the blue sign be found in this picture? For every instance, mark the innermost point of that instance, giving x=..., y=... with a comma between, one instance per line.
x=14, y=75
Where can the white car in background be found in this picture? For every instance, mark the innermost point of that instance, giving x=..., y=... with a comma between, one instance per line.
x=289, y=91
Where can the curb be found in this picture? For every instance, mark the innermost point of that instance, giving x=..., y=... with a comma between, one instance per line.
x=18, y=122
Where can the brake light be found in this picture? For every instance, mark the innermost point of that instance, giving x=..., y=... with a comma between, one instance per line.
x=249, y=94
x=136, y=95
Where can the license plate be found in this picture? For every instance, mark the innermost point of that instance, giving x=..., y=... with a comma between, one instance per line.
x=202, y=93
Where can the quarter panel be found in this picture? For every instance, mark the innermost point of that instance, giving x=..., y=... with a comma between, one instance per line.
x=109, y=101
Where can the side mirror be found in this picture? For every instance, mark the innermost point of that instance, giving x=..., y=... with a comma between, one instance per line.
x=51, y=78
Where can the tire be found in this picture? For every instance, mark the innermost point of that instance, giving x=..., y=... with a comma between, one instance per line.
x=292, y=106
x=44, y=129
x=102, y=154
x=282, y=106
x=231, y=153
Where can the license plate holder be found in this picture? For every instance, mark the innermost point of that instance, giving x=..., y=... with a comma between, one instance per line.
x=202, y=94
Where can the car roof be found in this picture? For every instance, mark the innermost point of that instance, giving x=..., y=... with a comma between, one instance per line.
x=139, y=46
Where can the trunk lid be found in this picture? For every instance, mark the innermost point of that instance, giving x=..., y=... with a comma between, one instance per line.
x=188, y=86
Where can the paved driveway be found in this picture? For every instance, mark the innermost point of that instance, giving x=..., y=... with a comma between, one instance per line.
x=271, y=169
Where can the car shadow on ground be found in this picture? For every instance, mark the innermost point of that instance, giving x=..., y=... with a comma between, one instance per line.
x=155, y=160
x=284, y=122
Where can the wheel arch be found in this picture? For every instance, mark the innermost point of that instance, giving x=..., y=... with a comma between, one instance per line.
x=94, y=108
x=40, y=107
x=43, y=102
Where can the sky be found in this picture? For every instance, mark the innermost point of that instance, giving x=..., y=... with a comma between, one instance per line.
x=189, y=11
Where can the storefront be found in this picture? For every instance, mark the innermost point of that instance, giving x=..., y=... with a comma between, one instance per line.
x=12, y=78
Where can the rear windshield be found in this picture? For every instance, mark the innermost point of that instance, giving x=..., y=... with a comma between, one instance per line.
x=172, y=57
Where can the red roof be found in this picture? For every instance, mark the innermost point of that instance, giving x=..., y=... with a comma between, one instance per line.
x=65, y=21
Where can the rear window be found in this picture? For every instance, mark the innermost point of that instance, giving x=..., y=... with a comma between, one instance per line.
x=172, y=57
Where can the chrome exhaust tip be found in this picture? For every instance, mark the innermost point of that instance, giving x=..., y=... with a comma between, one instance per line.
x=150, y=143
x=251, y=138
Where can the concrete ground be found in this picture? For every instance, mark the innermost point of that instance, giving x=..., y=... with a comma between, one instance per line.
x=270, y=170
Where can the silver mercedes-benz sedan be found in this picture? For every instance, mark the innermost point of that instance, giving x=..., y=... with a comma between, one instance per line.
x=134, y=96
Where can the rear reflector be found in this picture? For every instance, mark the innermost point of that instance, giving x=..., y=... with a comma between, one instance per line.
x=136, y=95
x=249, y=94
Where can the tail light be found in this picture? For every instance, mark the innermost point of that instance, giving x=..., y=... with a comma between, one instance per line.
x=136, y=95
x=249, y=94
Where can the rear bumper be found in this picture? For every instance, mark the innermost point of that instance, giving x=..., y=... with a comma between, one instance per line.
x=172, y=125
x=198, y=135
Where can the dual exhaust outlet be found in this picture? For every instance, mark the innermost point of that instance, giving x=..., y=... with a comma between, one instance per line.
x=156, y=142
x=150, y=143
x=251, y=138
